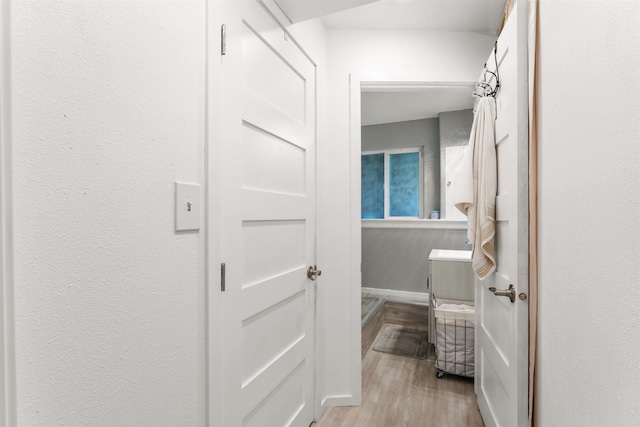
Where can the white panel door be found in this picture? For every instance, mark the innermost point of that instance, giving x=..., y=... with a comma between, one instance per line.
x=502, y=326
x=268, y=222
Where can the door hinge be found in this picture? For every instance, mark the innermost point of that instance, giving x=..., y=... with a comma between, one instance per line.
x=223, y=40
x=223, y=277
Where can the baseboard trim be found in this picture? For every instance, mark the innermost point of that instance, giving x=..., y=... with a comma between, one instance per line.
x=334, y=401
x=416, y=224
x=321, y=410
x=421, y=298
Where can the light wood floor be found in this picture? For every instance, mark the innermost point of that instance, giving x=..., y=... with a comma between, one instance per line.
x=400, y=391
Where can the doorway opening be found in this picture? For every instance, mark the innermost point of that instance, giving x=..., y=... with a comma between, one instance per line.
x=394, y=261
x=407, y=208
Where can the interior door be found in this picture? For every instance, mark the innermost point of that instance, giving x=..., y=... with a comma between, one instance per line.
x=268, y=222
x=501, y=325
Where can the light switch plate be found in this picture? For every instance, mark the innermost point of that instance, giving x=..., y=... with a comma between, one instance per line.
x=187, y=206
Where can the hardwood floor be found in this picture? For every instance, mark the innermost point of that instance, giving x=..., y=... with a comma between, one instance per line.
x=400, y=391
x=412, y=315
x=371, y=331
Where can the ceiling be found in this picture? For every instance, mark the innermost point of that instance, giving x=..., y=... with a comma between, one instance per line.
x=401, y=106
x=479, y=16
x=301, y=10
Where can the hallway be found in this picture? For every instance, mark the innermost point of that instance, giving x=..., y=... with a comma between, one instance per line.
x=400, y=391
x=113, y=313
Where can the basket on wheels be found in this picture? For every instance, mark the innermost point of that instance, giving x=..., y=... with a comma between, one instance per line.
x=454, y=328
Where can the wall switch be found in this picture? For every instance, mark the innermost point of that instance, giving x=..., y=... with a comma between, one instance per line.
x=187, y=206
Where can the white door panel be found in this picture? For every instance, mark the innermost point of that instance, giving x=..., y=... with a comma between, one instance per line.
x=501, y=326
x=267, y=118
x=255, y=205
x=268, y=222
x=272, y=164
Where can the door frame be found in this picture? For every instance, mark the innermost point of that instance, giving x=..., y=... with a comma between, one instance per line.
x=7, y=319
x=212, y=214
x=356, y=84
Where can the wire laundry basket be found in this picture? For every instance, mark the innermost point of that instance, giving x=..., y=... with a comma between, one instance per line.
x=454, y=338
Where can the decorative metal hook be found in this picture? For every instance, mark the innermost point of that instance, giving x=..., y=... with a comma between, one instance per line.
x=483, y=87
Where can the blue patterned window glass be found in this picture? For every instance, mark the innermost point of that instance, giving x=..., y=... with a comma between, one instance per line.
x=404, y=184
x=372, y=186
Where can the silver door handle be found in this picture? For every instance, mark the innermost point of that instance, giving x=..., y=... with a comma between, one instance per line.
x=313, y=272
x=509, y=293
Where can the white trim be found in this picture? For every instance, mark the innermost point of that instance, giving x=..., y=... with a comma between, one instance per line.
x=333, y=401
x=355, y=243
x=395, y=150
x=420, y=298
x=412, y=86
x=212, y=215
x=416, y=224
x=320, y=410
x=7, y=285
x=356, y=84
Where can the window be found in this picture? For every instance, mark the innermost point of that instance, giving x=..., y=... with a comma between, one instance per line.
x=391, y=184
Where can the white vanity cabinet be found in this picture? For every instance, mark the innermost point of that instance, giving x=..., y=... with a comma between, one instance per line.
x=451, y=274
x=450, y=278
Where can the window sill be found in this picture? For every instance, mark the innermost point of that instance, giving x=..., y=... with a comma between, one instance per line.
x=416, y=224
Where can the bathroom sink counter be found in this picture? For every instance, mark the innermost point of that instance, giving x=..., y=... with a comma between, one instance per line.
x=449, y=255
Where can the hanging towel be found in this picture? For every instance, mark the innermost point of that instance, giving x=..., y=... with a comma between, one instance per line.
x=476, y=192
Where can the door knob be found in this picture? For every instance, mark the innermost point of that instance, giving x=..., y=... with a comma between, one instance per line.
x=313, y=272
x=509, y=293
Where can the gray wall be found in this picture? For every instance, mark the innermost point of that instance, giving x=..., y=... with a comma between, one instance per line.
x=414, y=133
x=398, y=259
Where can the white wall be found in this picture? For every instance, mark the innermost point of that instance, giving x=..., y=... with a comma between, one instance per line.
x=107, y=113
x=109, y=110
x=589, y=328
x=455, y=130
x=374, y=56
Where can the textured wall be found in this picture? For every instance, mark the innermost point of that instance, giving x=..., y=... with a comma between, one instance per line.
x=589, y=324
x=107, y=114
x=398, y=259
x=414, y=133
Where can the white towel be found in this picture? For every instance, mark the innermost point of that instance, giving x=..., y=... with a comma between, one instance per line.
x=476, y=192
x=461, y=308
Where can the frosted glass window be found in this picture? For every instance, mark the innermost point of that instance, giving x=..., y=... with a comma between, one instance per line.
x=404, y=184
x=391, y=184
x=372, y=186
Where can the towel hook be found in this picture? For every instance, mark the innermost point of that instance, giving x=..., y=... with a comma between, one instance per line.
x=483, y=87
